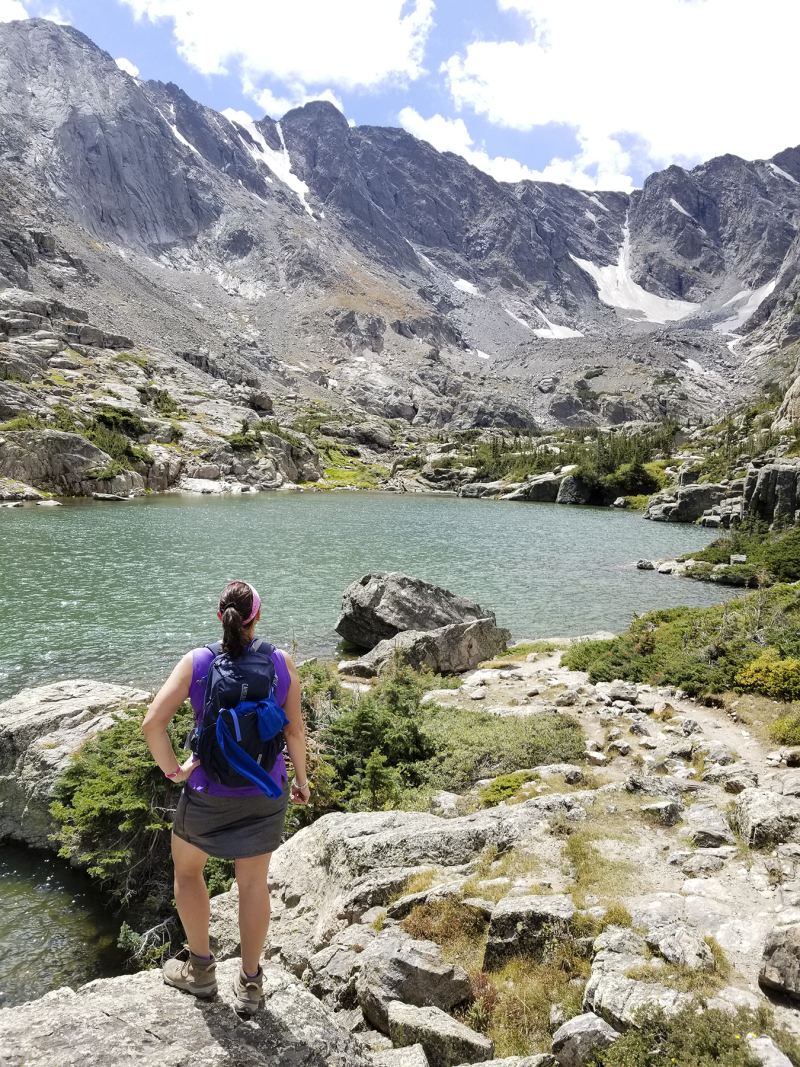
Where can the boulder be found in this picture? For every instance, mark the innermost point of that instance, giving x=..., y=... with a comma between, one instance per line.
x=780, y=962
x=772, y=492
x=669, y=812
x=708, y=828
x=378, y=607
x=114, y=1022
x=765, y=818
x=394, y=968
x=39, y=730
x=448, y=650
x=767, y=1052
x=446, y=1041
x=576, y=1041
x=573, y=490
x=520, y=925
x=686, y=504
x=332, y=972
x=681, y=945
x=60, y=462
x=542, y=488
x=611, y=994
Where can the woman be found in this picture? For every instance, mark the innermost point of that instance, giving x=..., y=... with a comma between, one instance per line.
x=238, y=823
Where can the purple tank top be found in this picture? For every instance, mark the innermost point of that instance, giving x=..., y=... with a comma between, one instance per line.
x=201, y=661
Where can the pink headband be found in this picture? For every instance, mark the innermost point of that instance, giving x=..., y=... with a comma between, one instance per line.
x=256, y=601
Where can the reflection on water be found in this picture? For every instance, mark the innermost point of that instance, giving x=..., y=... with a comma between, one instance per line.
x=53, y=931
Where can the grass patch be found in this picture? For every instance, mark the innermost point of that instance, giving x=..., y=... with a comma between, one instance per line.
x=512, y=1005
x=701, y=983
x=529, y=648
x=354, y=474
x=513, y=864
x=459, y=929
x=472, y=745
x=138, y=361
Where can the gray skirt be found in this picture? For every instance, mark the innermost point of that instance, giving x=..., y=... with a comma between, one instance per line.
x=231, y=828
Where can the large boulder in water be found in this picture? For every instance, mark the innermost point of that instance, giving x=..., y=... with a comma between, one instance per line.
x=448, y=650
x=379, y=606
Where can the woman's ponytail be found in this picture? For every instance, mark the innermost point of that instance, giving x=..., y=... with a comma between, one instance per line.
x=235, y=605
x=233, y=636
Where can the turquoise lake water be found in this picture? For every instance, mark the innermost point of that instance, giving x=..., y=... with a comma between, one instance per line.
x=121, y=591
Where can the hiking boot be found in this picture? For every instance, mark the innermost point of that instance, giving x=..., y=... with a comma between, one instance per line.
x=248, y=991
x=194, y=974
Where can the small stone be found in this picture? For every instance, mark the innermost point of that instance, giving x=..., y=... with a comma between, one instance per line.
x=575, y=1042
x=669, y=812
x=597, y=759
x=621, y=747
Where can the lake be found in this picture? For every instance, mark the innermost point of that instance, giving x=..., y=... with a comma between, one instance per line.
x=121, y=591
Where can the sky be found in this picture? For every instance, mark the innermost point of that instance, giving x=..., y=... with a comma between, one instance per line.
x=595, y=93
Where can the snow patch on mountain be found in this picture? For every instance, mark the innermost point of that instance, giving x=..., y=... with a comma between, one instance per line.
x=748, y=301
x=467, y=287
x=616, y=288
x=278, y=162
x=783, y=173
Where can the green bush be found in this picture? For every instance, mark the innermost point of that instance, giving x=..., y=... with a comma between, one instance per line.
x=697, y=649
x=162, y=401
x=786, y=730
x=771, y=677
x=121, y=420
x=113, y=811
x=696, y=1036
x=507, y=785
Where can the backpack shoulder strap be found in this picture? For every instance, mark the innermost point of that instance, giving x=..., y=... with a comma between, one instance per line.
x=216, y=648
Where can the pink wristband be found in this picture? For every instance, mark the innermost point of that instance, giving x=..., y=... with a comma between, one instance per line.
x=174, y=773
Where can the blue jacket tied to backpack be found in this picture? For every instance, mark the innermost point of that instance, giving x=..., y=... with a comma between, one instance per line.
x=241, y=733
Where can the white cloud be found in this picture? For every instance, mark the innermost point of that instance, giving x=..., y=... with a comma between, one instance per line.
x=11, y=10
x=127, y=66
x=309, y=43
x=683, y=80
x=452, y=135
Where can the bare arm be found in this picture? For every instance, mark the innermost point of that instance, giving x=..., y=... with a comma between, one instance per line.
x=159, y=715
x=296, y=735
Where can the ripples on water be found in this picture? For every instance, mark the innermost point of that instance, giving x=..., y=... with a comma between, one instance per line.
x=53, y=931
x=121, y=591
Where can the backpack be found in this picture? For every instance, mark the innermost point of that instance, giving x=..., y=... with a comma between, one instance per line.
x=241, y=732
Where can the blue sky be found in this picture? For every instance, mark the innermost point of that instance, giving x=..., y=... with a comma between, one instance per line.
x=597, y=94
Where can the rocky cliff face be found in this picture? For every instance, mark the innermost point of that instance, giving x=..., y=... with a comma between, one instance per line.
x=338, y=256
